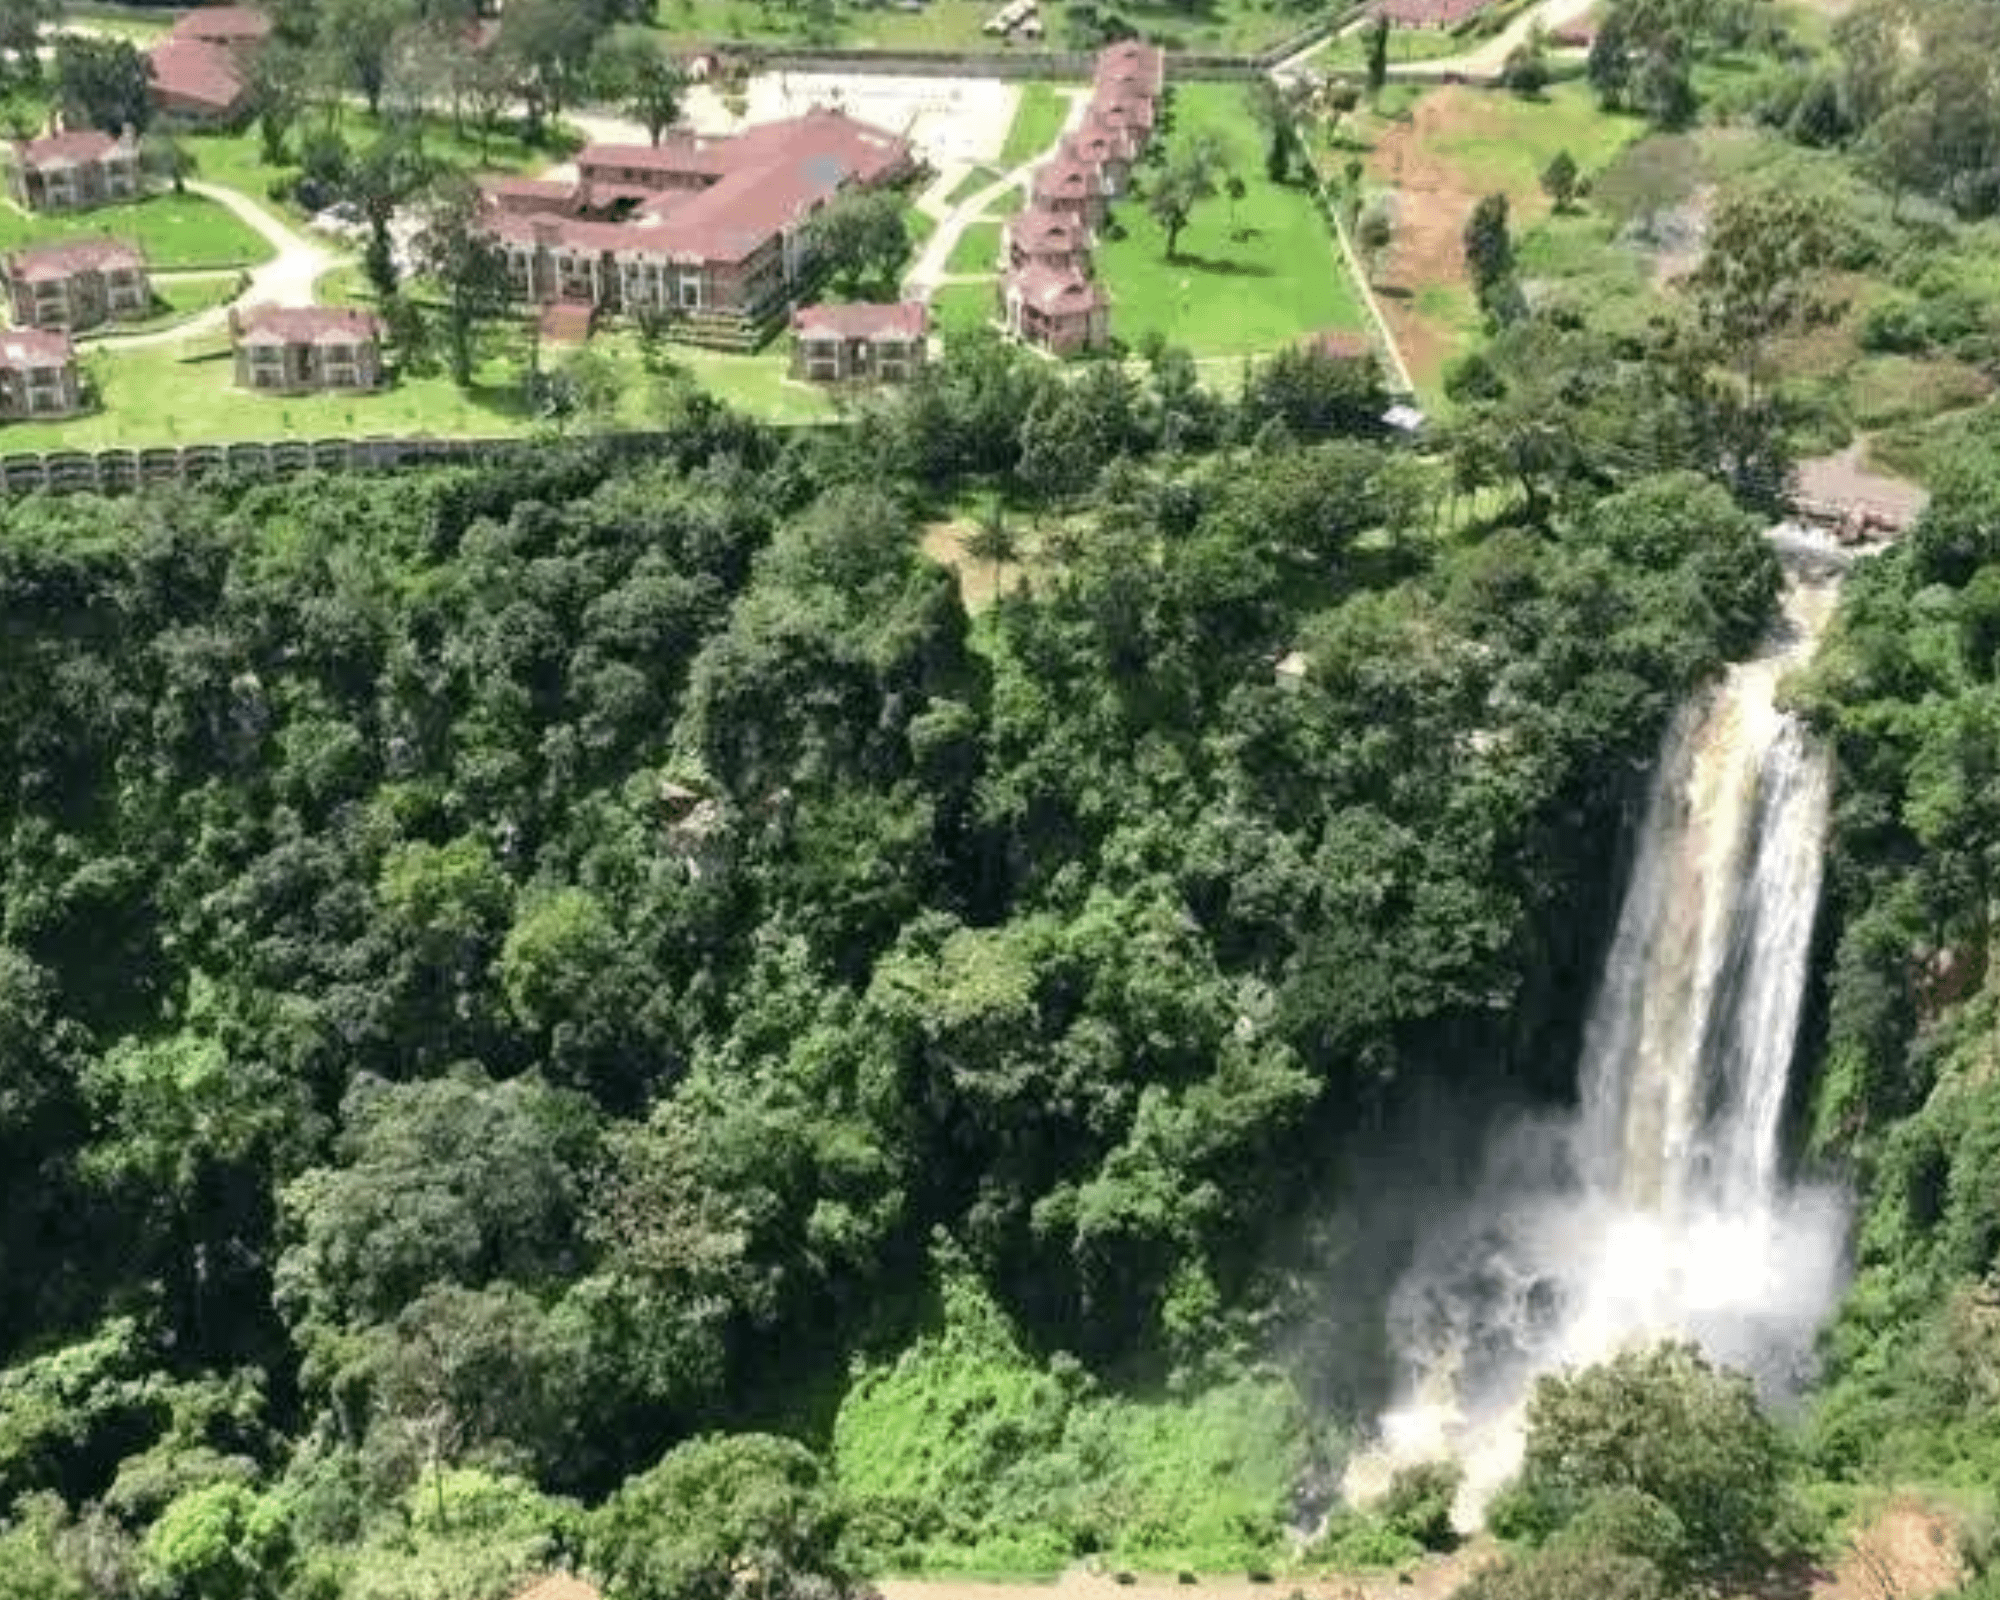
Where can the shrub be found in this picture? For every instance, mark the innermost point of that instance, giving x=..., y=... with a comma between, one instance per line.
x=1418, y=1504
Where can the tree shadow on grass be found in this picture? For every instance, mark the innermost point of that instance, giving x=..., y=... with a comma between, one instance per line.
x=1220, y=269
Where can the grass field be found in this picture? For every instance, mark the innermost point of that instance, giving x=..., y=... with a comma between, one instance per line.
x=1505, y=143
x=1437, y=155
x=179, y=232
x=1348, y=52
x=1227, y=25
x=184, y=392
x=1038, y=119
x=977, y=250
x=1237, y=286
x=236, y=159
x=959, y=306
x=969, y=185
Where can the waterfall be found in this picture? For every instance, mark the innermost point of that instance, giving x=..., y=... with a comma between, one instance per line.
x=1658, y=1208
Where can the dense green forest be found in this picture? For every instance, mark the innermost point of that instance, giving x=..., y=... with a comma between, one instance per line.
x=588, y=1013
x=523, y=985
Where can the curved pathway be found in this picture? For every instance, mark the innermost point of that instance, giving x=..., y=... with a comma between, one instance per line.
x=287, y=279
x=929, y=270
x=1483, y=60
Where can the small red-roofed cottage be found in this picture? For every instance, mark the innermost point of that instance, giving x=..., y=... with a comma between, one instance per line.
x=285, y=350
x=197, y=81
x=1058, y=311
x=1050, y=239
x=1070, y=188
x=78, y=284
x=860, y=343
x=38, y=376
x=1106, y=149
x=1132, y=115
x=74, y=170
x=1132, y=63
x=199, y=71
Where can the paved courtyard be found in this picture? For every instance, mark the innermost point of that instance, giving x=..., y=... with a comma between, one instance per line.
x=952, y=121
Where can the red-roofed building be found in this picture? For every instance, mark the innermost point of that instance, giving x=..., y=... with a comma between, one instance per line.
x=198, y=80
x=38, y=376
x=1130, y=114
x=199, y=70
x=1133, y=63
x=1050, y=239
x=282, y=350
x=74, y=170
x=78, y=284
x=1071, y=187
x=860, y=343
x=719, y=224
x=1058, y=311
x=524, y=197
x=1106, y=149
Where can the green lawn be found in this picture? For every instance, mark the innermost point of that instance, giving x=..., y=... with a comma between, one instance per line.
x=977, y=250
x=969, y=185
x=1227, y=25
x=1348, y=52
x=236, y=160
x=130, y=29
x=959, y=306
x=184, y=392
x=1502, y=143
x=1224, y=294
x=1038, y=119
x=183, y=232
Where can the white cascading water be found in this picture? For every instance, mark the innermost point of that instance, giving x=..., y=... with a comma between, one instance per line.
x=1658, y=1208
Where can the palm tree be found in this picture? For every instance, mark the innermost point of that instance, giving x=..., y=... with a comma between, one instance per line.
x=994, y=541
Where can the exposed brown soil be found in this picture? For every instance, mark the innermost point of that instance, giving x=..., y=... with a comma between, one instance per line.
x=978, y=581
x=1433, y=201
x=1841, y=479
x=1908, y=1552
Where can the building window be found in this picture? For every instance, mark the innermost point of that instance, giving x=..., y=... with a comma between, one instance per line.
x=690, y=290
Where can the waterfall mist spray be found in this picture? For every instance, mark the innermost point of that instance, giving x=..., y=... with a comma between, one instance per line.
x=1658, y=1208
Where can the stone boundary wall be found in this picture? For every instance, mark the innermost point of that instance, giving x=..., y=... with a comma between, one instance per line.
x=114, y=471
x=1053, y=65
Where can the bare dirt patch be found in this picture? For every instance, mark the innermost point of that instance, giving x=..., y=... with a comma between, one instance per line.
x=1433, y=201
x=979, y=582
x=1908, y=1552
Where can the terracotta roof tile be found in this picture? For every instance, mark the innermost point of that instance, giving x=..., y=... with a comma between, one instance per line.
x=1055, y=291
x=46, y=262
x=35, y=347
x=1038, y=231
x=908, y=320
x=305, y=325
x=74, y=147
x=197, y=71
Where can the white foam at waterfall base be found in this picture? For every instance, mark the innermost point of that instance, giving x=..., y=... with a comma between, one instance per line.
x=1657, y=1209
